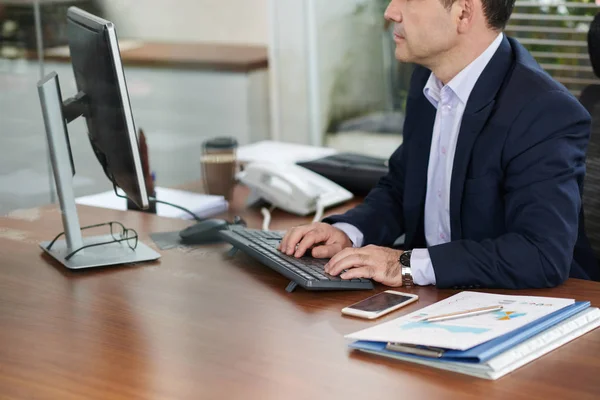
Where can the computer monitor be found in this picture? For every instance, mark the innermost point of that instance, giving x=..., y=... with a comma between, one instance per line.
x=103, y=101
x=99, y=74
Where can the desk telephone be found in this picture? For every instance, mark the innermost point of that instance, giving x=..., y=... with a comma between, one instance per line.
x=291, y=188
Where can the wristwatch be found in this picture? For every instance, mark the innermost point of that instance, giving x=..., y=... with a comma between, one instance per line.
x=407, y=278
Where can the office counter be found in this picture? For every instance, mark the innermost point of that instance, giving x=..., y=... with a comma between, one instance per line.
x=200, y=325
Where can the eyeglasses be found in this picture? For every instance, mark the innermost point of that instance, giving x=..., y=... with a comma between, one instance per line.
x=117, y=231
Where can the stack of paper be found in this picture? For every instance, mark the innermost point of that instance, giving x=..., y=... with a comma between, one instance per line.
x=281, y=152
x=202, y=205
x=487, y=345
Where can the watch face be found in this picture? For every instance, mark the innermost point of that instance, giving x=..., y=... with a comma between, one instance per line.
x=405, y=258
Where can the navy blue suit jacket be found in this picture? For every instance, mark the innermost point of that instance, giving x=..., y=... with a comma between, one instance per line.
x=515, y=199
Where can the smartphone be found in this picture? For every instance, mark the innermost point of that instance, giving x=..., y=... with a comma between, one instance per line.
x=380, y=304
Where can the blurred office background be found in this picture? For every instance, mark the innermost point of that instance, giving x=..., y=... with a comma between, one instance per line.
x=303, y=71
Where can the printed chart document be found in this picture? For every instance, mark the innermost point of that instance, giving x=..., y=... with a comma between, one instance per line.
x=466, y=332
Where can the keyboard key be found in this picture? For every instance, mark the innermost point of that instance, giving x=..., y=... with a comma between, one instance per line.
x=317, y=274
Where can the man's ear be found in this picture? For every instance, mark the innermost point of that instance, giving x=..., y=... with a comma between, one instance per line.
x=465, y=10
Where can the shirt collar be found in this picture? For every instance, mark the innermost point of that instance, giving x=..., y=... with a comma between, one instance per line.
x=462, y=84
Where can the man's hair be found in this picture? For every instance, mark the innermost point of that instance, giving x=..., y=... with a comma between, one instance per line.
x=497, y=12
x=594, y=44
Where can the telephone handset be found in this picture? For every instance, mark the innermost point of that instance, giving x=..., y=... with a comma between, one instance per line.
x=292, y=188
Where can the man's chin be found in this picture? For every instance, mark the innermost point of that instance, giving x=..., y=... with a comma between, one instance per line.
x=402, y=55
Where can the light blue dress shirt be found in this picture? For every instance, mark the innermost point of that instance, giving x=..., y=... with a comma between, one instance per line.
x=450, y=101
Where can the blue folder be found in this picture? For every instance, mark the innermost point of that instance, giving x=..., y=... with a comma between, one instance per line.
x=491, y=348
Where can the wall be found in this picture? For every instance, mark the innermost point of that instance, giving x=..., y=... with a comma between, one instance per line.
x=315, y=79
x=230, y=21
x=351, y=59
x=336, y=72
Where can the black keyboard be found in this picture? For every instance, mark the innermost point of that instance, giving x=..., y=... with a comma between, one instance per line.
x=305, y=271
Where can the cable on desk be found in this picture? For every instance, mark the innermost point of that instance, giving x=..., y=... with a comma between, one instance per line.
x=266, y=217
x=197, y=218
x=320, y=210
x=154, y=199
x=266, y=213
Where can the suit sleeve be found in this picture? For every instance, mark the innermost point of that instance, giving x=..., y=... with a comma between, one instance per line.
x=544, y=165
x=380, y=216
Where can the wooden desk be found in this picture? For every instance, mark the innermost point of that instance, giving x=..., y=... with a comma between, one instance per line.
x=197, y=325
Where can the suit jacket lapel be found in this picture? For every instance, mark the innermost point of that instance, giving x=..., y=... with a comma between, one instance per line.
x=479, y=107
x=417, y=152
x=472, y=125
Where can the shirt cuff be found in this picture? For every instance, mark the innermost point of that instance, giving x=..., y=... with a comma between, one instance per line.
x=355, y=235
x=421, y=267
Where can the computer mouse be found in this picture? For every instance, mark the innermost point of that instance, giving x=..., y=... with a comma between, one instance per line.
x=203, y=232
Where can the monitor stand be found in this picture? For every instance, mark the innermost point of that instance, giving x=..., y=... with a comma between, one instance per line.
x=56, y=116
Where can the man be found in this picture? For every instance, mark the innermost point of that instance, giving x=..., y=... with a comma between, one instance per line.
x=487, y=184
x=590, y=99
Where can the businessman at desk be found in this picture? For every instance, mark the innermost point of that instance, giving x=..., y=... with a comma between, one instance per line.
x=487, y=184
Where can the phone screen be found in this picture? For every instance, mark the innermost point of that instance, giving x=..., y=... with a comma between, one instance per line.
x=380, y=302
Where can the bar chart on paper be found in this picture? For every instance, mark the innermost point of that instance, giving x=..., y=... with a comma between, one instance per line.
x=463, y=333
x=444, y=327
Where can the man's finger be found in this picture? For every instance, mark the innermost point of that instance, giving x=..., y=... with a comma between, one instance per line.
x=354, y=260
x=286, y=237
x=326, y=251
x=362, y=272
x=291, y=239
x=283, y=239
x=311, y=238
x=340, y=255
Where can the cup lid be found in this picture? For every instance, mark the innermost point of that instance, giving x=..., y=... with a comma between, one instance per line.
x=220, y=143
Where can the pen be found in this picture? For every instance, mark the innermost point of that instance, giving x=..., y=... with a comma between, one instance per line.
x=465, y=313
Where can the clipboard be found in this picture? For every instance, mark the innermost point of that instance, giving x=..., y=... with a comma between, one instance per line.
x=485, y=351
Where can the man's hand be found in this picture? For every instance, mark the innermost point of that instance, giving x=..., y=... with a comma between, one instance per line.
x=378, y=263
x=324, y=239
